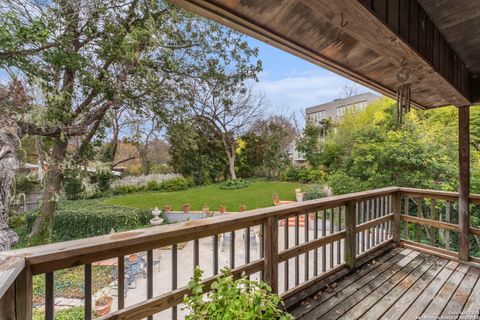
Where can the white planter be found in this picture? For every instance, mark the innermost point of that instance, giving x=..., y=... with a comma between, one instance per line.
x=299, y=196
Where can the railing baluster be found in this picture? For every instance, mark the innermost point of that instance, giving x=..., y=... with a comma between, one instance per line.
x=377, y=215
x=382, y=213
x=121, y=282
x=306, y=255
x=432, y=217
x=406, y=212
x=418, y=228
x=174, y=277
x=332, y=227
x=88, y=291
x=286, y=245
x=215, y=254
x=315, y=236
x=367, y=217
x=196, y=253
x=150, y=277
x=297, y=260
x=324, y=247
x=362, y=214
x=247, y=245
x=262, y=248
x=447, y=219
x=49, y=296
x=232, y=249
x=339, y=242
x=357, y=218
x=396, y=208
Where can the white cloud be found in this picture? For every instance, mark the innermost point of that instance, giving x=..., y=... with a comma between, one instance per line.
x=298, y=93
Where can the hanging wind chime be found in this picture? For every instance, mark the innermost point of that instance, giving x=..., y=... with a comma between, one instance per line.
x=403, y=94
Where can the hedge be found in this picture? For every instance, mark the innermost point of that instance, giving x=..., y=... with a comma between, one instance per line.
x=171, y=185
x=88, y=218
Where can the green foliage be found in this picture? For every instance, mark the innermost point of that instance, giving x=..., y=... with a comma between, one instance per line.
x=232, y=299
x=73, y=184
x=262, y=151
x=88, y=218
x=234, y=184
x=25, y=182
x=170, y=185
x=104, y=177
x=314, y=191
x=342, y=183
x=75, y=313
x=303, y=174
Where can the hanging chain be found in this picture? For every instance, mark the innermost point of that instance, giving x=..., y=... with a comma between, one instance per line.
x=403, y=94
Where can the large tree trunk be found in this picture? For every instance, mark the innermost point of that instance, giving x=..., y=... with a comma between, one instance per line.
x=231, y=162
x=43, y=225
x=8, y=166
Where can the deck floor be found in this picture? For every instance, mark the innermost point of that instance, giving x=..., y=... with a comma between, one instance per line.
x=400, y=284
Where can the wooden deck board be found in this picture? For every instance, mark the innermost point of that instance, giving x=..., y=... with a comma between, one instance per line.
x=401, y=285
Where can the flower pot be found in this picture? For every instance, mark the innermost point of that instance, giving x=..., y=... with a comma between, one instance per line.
x=167, y=208
x=222, y=209
x=299, y=196
x=206, y=210
x=104, y=308
x=243, y=208
x=186, y=209
x=133, y=257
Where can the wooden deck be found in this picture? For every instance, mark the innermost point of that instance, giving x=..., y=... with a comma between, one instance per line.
x=401, y=284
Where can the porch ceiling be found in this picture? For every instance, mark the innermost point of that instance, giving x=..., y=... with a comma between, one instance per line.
x=367, y=40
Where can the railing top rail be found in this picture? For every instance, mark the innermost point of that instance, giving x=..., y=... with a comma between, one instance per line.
x=67, y=254
x=436, y=194
x=10, y=268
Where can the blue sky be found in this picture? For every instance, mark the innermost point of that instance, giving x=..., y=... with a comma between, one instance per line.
x=292, y=84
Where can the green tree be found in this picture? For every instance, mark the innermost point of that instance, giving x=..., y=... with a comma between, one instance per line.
x=83, y=58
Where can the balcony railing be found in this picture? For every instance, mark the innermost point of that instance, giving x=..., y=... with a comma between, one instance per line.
x=302, y=247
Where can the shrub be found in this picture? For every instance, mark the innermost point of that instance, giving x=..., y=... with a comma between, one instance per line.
x=104, y=178
x=314, y=192
x=342, y=183
x=232, y=299
x=234, y=184
x=73, y=185
x=304, y=174
x=88, y=218
x=126, y=189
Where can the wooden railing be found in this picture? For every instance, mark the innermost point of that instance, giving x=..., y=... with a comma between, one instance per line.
x=325, y=240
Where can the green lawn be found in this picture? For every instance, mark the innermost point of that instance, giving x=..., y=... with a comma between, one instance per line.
x=257, y=195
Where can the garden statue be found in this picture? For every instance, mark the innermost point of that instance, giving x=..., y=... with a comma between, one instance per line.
x=8, y=166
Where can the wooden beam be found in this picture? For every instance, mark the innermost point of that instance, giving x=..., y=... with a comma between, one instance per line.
x=345, y=37
x=271, y=253
x=464, y=181
x=396, y=207
x=350, y=234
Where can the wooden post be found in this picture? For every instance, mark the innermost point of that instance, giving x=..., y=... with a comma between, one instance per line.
x=396, y=207
x=350, y=234
x=271, y=253
x=464, y=183
x=23, y=294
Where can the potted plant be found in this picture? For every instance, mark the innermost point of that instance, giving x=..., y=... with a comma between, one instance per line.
x=222, y=209
x=167, y=208
x=232, y=299
x=206, y=209
x=103, y=302
x=299, y=195
x=243, y=208
x=186, y=208
x=276, y=199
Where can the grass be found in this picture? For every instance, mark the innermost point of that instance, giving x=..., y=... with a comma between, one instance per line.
x=257, y=195
x=69, y=283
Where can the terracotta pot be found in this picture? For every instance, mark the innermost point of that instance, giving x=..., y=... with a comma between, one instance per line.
x=222, y=209
x=101, y=310
x=167, y=208
x=186, y=209
x=133, y=257
x=206, y=209
x=243, y=208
